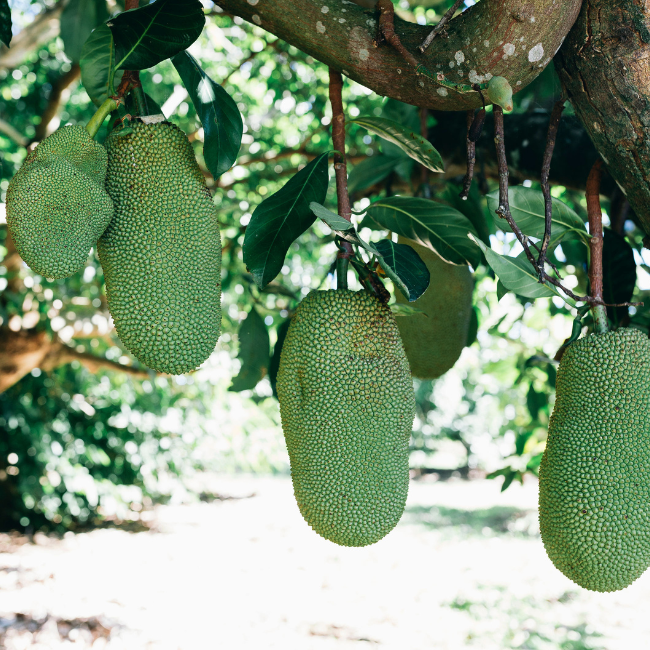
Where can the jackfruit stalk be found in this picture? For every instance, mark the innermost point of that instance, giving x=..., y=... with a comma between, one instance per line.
x=161, y=253
x=57, y=206
x=594, y=479
x=347, y=407
x=433, y=342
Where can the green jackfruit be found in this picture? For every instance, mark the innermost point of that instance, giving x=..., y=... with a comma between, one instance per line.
x=594, y=479
x=347, y=407
x=434, y=342
x=161, y=253
x=57, y=206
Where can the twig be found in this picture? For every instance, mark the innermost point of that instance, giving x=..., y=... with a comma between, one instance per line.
x=54, y=101
x=387, y=30
x=592, y=194
x=341, y=173
x=471, y=157
x=438, y=28
x=551, y=135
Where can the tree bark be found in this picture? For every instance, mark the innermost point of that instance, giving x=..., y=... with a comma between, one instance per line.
x=605, y=68
x=512, y=38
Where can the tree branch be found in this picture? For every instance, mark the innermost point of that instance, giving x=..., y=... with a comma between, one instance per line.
x=13, y=134
x=486, y=39
x=439, y=27
x=54, y=100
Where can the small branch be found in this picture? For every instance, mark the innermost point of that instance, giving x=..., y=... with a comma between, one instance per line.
x=387, y=31
x=438, y=28
x=471, y=157
x=551, y=135
x=594, y=211
x=54, y=101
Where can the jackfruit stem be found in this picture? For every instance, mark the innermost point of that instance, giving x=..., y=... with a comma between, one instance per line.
x=342, y=264
x=98, y=118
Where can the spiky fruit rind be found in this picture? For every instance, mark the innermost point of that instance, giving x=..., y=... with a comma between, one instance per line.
x=594, y=480
x=434, y=339
x=57, y=206
x=161, y=253
x=347, y=407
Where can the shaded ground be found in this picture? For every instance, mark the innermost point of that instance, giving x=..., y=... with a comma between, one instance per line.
x=464, y=569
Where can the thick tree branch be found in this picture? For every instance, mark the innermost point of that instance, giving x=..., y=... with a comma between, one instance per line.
x=510, y=38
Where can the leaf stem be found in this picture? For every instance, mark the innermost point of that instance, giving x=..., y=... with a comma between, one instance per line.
x=595, y=214
x=98, y=118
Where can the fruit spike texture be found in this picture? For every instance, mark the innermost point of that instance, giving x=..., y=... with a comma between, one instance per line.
x=594, y=479
x=434, y=342
x=161, y=253
x=57, y=206
x=347, y=407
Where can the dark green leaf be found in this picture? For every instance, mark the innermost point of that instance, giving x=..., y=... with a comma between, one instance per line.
x=254, y=352
x=279, y=220
x=152, y=107
x=97, y=62
x=501, y=290
x=282, y=330
x=78, y=20
x=431, y=224
x=405, y=114
x=5, y=22
x=407, y=265
x=411, y=143
x=516, y=274
x=155, y=32
x=524, y=436
x=551, y=374
x=370, y=171
x=472, y=208
x=219, y=115
x=472, y=332
x=527, y=209
x=535, y=402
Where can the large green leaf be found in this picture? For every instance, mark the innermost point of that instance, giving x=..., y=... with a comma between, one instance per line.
x=516, y=274
x=97, y=63
x=274, y=366
x=406, y=264
x=279, y=220
x=219, y=115
x=472, y=208
x=527, y=209
x=370, y=171
x=411, y=143
x=148, y=35
x=5, y=22
x=254, y=352
x=435, y=225
x=78, y=19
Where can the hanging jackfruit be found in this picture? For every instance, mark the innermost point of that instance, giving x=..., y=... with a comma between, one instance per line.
x=347, y=407
x=433, y=342
x=161, y=253
x=57, y=206
x=594, y=479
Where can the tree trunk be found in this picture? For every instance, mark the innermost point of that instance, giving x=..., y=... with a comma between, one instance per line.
x=515, y=39
x=605, y=68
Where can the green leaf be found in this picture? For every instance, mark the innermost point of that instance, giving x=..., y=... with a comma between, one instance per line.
x=404, y=309
x=435, y=225
x=333, y=220
x=158, y=31
x=371, y=171
x=219, y=115
x=472, y=332
x=5, y=22
x=279, y=220
x=254, y=352
x=527, y=209
x=472, y=208
x=406, y=264
x=619, y=273
x=501, y=290
x=97, y=63
x=516, y=274
x=411, y=143
x=274, y=366
x=78, y=20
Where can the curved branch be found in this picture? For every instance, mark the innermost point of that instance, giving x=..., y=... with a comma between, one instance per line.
x=512, y=38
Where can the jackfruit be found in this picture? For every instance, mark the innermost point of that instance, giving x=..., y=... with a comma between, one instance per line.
x=161, y=253
x=57, y=206
x=433, y=342
x=594, y=479
x=347, y=408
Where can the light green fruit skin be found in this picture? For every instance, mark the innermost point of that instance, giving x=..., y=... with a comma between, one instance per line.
x=347, y=407
x=594, y=479
x=161, y=254
x=500, y=92
x=57, y=206
x=434, y=342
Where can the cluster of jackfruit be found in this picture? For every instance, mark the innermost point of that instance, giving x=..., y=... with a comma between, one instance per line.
x=57, y=206
x=347, y=407
x=594, y=479
x=434, y=339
